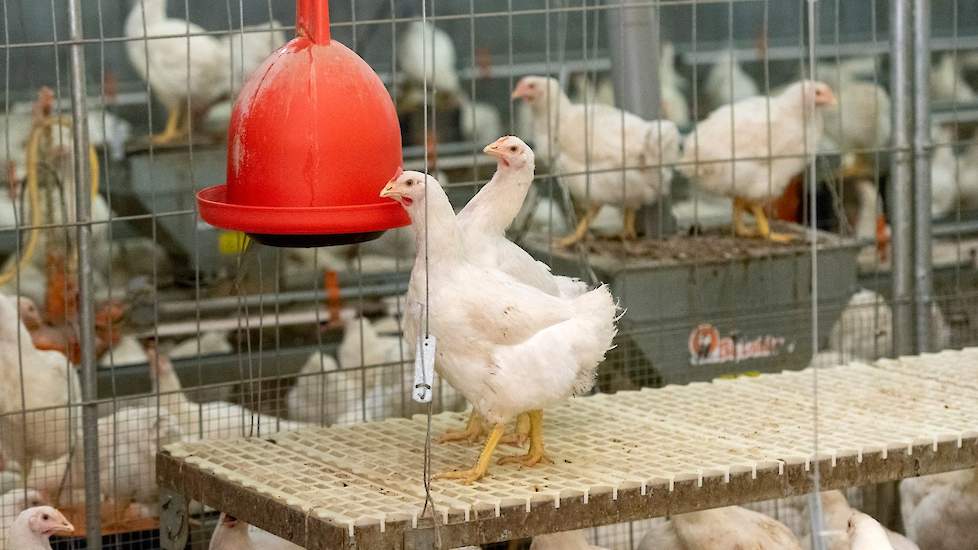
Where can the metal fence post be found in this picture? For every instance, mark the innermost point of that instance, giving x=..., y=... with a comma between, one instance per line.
x=900, y=204
x=922, y=185
x=86, y=297
x=633, y=42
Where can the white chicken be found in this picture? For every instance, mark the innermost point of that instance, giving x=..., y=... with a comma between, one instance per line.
x=865, y=533
x=947, y=83
x=307, y=401
x=727, y=82
x=234, y=534
x=587, y=90
x=603, y=155
x=673, y=87
x=127, y=352
x=484, y=220
x=567, y=540
x=479, y=121
x=34, y=526
x=483, y=223
x=727, y=528
x=421, y=40
x=839, y=531
x=178, y=69
x=208, y=343
x=756, y=166
x=507, y=347
x=129, y=441
x=864, y=330
x=967, y=178
x=859, y=125
x=940, y=511
x=251, y=45
x=944, y=173
x=213, y=419
x=42, y=426
x=12, y=503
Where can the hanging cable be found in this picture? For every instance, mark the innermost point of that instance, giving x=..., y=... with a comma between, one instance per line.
x=33, y=198
x=815, y=498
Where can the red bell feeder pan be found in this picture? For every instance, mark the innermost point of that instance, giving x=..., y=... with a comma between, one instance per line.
x=313, y=139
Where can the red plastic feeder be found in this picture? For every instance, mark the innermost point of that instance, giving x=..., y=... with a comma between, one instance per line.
x=313, y=139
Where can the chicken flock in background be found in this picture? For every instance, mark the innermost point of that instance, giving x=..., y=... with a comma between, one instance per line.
x=603, y=154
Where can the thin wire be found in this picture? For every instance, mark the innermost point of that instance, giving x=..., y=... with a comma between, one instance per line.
x=429, y=500
x=815, y=497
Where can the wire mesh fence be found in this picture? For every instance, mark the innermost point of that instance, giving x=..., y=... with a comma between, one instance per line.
x=200, y=332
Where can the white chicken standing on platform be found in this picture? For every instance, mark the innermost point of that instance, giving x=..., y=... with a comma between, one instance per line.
x=483, y=223
x=604, y=156
x=177, y=69
x=727, y=82
x=768, y=151
x=507, y=347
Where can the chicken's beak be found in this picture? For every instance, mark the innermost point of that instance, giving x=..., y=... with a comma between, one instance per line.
x=389, y=190
x=828, y=99
x=67, y=527
x=521, y=91
x=493, y=150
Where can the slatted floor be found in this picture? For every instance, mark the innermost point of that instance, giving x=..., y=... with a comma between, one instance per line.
x=617, y=457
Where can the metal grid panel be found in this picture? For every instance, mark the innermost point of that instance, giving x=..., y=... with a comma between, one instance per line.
x=652, y=442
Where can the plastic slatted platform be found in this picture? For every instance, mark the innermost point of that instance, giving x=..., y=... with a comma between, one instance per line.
x=620, y=457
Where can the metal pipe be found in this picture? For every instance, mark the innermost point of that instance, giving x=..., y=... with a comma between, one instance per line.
x=212, y=305
x=86, y=296
x=900, y=185
x=921, y=149
x=634, y=47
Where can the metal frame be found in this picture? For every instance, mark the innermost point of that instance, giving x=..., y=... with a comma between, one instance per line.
x=183, y=478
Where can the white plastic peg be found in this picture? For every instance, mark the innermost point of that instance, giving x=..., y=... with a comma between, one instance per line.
x=424, y=370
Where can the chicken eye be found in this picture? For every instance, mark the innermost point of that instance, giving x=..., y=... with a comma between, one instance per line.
x=532, y=86
x=410, y=183
x=513, y=148
x=45, y=517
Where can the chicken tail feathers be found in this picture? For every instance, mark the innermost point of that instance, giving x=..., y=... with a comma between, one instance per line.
x=598, y=313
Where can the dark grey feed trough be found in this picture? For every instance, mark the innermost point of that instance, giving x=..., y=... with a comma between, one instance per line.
x=712, y=305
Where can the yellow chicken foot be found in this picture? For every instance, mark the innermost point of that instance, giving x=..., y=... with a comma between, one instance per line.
x=536, y=453
x=482, y=465
x=520, y=434
x=858, y=167
x=582, y=227
x=172, y=130
x=628, y=231
x=472, y=432
x=740, y=228
x=765, y=229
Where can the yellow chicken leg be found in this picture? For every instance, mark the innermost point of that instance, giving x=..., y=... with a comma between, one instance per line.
x=582, y=227
x=482, y=465
x=472, y=432
x=764, y=229
x=521, y=433
x=536, y=453
x=740, y=228
x=628, y=231
x=172, y=130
